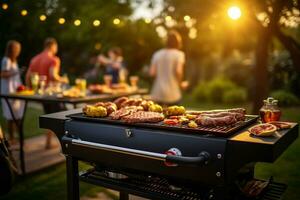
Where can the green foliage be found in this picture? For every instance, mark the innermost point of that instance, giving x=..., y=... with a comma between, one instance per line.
x=217, y=87
x=285, y=98
x=220, y=90
x=200, y=92
x=238, y=95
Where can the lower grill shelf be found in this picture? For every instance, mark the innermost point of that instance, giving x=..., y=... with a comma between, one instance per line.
x=159, y=188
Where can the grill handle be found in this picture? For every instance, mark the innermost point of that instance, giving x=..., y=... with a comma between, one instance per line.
x=202, y=159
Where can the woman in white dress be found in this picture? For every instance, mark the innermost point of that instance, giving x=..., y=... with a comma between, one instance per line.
x=167, y=68
x=10, y=80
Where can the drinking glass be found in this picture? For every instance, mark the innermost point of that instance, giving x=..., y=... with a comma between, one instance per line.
x=107, y=80
x=43, y=81
x=134, y=81
x=34, y=79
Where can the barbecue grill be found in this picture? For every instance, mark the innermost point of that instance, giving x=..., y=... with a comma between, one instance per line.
x=132, y=158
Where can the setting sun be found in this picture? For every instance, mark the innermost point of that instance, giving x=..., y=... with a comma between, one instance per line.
x=234, y=12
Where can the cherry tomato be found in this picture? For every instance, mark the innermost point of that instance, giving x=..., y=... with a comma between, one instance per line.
x=171, y=122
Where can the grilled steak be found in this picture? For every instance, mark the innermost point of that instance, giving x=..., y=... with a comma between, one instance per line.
x=125, y=111
x=237, y=116
x=144, y=116
x=233, y=110
x=120, y=100
x=216, y=121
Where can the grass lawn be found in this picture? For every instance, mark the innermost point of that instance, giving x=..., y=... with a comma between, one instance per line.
x=51, y=183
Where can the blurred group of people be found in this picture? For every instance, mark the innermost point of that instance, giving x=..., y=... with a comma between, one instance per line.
x=46, y=64
x=167, y=66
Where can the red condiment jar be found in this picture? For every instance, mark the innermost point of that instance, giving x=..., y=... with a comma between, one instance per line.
x=270, y=111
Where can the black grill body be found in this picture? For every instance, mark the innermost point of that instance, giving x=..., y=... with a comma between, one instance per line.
x=106, y=146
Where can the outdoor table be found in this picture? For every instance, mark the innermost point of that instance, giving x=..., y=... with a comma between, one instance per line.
x=47, y=99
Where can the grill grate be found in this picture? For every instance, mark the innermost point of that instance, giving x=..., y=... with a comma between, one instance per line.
x=159, y=188
x=223, y=131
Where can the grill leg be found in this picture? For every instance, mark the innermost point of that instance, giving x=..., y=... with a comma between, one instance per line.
x=124, y=196
x=72, y=178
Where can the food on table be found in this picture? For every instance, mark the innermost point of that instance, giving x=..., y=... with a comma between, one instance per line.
x=21, y=88
x=281, y=125
x=73, y=92
x=155, y=108
x=53, y=89
x=192, y=124
x=175, y=110
x=144, y=116
x=171, y=122
x=94, y=111
x=95, y=89
x=263, y=130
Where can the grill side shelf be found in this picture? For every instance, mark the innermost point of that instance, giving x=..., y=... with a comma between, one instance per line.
x=216, y=131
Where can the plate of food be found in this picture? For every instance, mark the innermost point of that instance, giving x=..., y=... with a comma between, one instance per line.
x=263, y=130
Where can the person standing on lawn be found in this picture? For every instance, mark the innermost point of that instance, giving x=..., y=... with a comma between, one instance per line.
x=167, y=67
x=10, y=81
x=47, y=64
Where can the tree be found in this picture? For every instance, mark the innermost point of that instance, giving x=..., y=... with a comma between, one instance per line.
x=262, y=20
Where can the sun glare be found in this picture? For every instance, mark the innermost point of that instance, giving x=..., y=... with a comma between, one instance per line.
x=234, y=12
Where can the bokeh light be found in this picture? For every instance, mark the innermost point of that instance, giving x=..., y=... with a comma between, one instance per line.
x=43, y=17
x=4, y=6
x=168, y=18
x=148, y=21
x=61, y=20
x=77, y=22
x=186, y=18
x=116, y=21
x=96, y=22
x=24, y=12
x=234, y=12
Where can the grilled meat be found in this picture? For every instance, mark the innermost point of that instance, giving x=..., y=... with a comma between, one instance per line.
x=125, y=111
x=120, y=100
x=144, y=116
x=216, y=121
x=237, y=116
x=233, y=110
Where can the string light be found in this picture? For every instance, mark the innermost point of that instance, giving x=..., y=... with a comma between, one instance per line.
x=96, y=22
x=61, y=20
x=116, y=21
x=43, y=17
x=4, y=6
x=186, y=18
x=77, y=22
x=148, y=21
x=24, y=12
